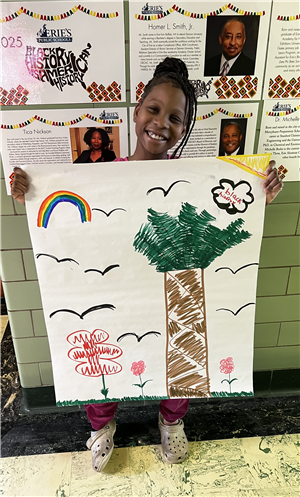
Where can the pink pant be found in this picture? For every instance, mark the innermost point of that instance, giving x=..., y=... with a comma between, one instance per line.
x=100, y=414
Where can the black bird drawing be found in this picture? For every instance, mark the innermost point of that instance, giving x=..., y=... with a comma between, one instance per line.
x=240, y=309
x=110, y=212
x=91, y=309
x=139, y=338
x=165, y=192
x=237, y=270
x=108, y=268
x=66, y=259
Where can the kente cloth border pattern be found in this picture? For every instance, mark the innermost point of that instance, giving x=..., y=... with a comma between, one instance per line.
x=58, y=17
x=280, y=88
x=14, y=96
x=227, y=87
x=60, y=123
x=225, y=112
x=175, y=8
x=98, y=92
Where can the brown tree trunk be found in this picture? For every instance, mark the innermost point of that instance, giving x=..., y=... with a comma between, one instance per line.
x=187, y=368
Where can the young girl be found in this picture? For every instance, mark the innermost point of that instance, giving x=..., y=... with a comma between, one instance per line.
x=165, y=115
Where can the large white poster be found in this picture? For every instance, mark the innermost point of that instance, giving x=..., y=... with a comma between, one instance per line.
x=223, y=45
x=280, y=135
x=55, y=136
x=62, y=52
x=282, y=78
x=228, y=129
x=148, y=280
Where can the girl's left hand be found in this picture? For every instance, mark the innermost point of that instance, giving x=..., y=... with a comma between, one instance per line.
x=273, y=184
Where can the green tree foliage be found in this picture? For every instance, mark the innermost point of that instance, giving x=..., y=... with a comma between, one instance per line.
x=187, y=241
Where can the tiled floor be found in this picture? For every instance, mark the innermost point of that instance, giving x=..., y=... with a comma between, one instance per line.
x=260, y=466
x=256, y=466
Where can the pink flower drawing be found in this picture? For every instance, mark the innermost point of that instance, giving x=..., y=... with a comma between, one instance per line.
x=137, y=369
x=226, y=367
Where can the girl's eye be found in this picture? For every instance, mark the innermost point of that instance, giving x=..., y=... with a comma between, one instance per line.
x=176, y=119
x=152, y=109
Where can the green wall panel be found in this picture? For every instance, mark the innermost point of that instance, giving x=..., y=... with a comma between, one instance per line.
x=272, y=281
x=279, y=252
x=274, y=309
x=281, y=220
x=289, y=333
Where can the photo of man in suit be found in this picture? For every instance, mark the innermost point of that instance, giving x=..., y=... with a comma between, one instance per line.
x=231, y=142
x=232, y=61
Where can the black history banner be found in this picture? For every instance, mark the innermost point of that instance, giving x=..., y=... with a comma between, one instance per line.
x=223, y=44
x=220, y=130
x=50, y=136
x=280, y=135
x=62, y=52
x=282, y=79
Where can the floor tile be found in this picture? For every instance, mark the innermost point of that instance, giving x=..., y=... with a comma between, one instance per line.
x=114, y=481
x=217, y=466
x=36, y=476
x=151, y=476
x=273, y=461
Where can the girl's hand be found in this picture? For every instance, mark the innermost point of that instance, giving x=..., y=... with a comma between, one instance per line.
x=20, y=185
x=273, y=184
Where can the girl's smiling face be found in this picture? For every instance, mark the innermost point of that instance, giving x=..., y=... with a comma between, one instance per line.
x=160, y=122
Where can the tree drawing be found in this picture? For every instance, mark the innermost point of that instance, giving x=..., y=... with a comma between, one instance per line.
x=181, y=247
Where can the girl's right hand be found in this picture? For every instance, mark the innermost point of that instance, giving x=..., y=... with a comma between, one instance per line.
x=20, y=185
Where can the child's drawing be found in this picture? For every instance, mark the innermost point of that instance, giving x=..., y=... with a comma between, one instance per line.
x=165, y=192
x=138, y=368
x=94, y=355
x=226, y=367
x=238, y=269
x=110, y=212
x=138, y=338
x=65, y=259
x=170, y=276
x=106, y=270
x=235, y=313
x=84, y=313
x=234, y=198
x=177, y=245
x=56, y=198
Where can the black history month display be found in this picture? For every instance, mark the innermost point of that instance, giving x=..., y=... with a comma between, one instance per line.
x=227, y=129
x=282, y=79
x=280, y=135
x=223, y=44
x=62, y=52
x=50, y=136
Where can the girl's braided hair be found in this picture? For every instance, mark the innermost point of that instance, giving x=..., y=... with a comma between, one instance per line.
x=174, y=71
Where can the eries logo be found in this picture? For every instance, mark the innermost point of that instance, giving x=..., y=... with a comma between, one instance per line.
x=151, y=10
x=108, y=115
x=281, y=107
x=45, y=35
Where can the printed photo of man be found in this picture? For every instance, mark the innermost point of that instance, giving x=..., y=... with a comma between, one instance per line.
x=232, y=61
x=232, y=140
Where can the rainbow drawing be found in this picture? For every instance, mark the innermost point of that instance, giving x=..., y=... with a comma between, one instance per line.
x=55, y=198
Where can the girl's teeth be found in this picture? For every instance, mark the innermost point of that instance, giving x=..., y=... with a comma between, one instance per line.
x=156, y=137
